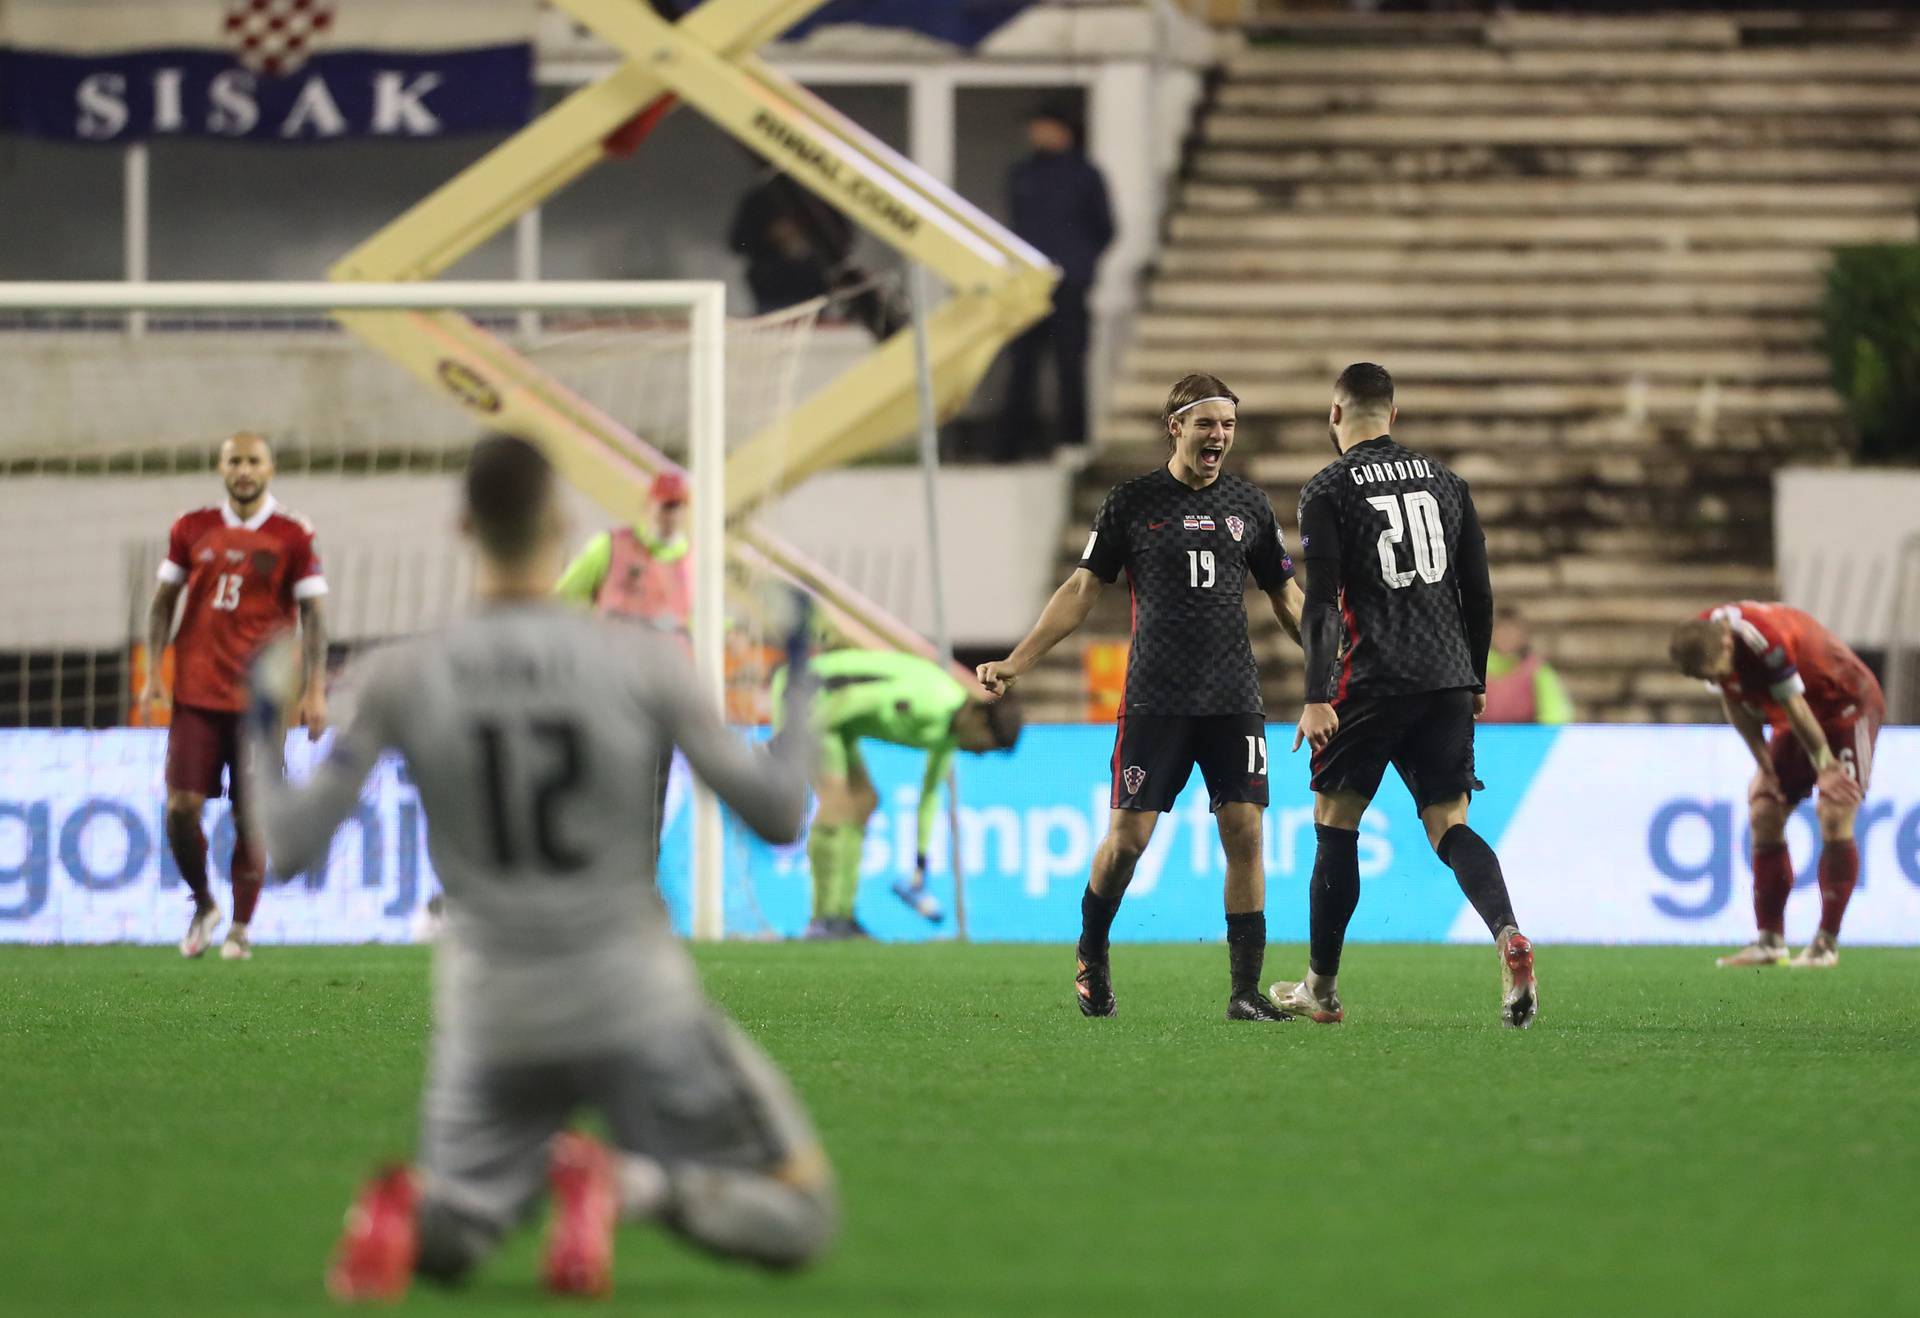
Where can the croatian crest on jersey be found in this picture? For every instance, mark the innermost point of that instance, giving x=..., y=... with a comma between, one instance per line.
x=1234, y=528
x=274, y=38
x=1133, y=776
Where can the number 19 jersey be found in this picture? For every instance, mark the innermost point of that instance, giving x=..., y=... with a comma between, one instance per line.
x=1187, y=554
x=1391, y=522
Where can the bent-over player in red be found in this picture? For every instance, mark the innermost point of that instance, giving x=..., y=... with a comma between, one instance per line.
x=1776, y=665
x=248, y=568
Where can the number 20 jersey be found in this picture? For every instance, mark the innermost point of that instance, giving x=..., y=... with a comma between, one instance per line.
x=1187, y=554
x=1394, y=522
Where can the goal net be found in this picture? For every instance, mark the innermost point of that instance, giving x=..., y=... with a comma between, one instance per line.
x=371, y=396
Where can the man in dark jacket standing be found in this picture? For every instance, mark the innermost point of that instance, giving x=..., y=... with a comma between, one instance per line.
x=1059, y=204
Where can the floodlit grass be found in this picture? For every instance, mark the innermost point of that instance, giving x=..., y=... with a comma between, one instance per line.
x=1670, y=1139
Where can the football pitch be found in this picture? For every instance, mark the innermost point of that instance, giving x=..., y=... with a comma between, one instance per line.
x=1670, y=1139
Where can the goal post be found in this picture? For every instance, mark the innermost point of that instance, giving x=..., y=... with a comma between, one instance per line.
x=125, y=382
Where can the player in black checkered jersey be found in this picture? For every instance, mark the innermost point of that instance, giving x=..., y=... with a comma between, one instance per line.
x=1398, y=619
x=1188, y=536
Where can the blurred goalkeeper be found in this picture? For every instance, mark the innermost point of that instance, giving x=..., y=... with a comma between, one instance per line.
x=902, y=699
x=558, y=983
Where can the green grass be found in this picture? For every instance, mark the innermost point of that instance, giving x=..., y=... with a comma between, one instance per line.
x=1670, y=1139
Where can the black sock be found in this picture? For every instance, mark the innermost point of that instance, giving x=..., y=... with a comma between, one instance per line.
x=1332, y=894
x=1096, y=918
x=1246, y=950
x=1477, y=870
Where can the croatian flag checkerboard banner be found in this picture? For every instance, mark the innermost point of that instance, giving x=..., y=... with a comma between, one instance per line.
x=114, y=71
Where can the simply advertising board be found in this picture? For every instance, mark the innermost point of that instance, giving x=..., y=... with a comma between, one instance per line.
x=1607, y=834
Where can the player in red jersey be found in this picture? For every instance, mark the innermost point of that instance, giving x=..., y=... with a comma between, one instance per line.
x=248, y=568
x=1776, y=665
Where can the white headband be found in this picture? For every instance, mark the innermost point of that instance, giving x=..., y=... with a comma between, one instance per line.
x=1217, y=398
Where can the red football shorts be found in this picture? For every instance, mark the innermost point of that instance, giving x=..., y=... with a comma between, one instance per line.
x=1850, y=734
x=200, y=743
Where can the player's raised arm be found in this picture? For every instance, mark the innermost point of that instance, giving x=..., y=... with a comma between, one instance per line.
x=1100, y=562
x=765, y=786
x=297, y=821
x=1064, y=613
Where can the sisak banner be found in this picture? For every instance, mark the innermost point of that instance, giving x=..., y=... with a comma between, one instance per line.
x=1606, y=834
x=264, y=70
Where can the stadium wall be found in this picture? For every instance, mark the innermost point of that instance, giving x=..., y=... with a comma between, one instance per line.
x=1607, y=834
x=395, y=569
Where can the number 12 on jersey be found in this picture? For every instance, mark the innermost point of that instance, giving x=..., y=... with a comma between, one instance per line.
x=1421, y=523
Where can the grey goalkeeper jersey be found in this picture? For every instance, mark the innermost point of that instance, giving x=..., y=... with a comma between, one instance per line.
x=532, y=732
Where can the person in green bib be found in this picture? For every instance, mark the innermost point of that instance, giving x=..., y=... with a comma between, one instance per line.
x=905, y=700
x=643, y=574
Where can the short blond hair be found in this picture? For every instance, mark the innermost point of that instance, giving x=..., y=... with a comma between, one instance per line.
x=1696, y=643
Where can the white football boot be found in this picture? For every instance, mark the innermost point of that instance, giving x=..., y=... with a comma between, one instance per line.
x=1823, y=953
x=239, y=944
x=200, y=929
x=1300, y=1001
x=1766, y=950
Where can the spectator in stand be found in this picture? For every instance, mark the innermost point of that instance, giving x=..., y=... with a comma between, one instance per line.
x=793, y=242
x=1058, y=202
x=798, y=247
x=1521, y=686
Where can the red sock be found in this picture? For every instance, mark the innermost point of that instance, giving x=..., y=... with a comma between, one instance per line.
x=1772, y=881
x=189, y=847
x=1839, y=869
x=249, y=868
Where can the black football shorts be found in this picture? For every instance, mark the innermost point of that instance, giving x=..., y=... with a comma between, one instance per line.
x=1154, y=755
x=1427, y=738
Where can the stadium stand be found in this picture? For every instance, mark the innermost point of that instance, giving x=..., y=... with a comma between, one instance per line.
x=1590, y=250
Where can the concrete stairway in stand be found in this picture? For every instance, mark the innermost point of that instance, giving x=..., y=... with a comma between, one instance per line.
x=1591, y=251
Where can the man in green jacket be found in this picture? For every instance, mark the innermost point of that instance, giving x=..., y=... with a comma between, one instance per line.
x=906, y=701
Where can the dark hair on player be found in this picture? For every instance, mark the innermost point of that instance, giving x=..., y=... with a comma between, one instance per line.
x=1364, y=387
x=508, y=484
x=1005, y=718
x=1696, y=644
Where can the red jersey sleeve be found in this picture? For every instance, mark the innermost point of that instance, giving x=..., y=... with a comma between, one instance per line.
x=178, y=562
x=1763, y=653
x=304, y=568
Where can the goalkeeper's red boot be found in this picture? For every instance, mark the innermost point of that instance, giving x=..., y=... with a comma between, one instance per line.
x=586, y=1204
x=374, y=1259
